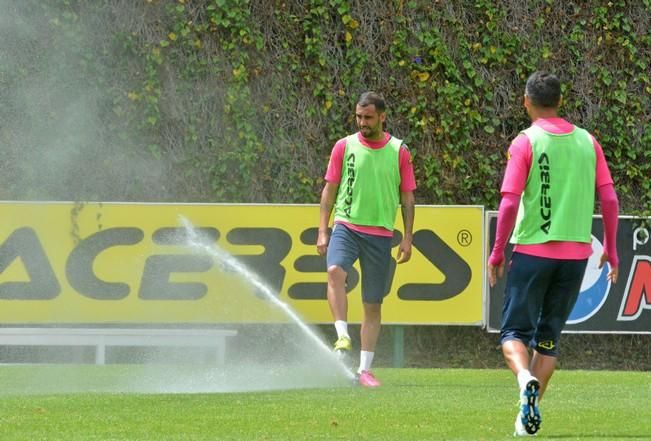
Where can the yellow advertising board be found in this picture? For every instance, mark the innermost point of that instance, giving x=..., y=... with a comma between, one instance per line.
x=214, y=263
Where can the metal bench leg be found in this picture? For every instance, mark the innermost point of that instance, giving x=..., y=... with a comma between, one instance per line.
x=221, y=351
x=100, y=353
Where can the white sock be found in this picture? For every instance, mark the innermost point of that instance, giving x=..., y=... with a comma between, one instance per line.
x=365, y=361
x=523, y=378
x=342, y=328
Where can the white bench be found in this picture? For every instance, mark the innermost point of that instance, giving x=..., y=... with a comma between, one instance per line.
x=103, y=337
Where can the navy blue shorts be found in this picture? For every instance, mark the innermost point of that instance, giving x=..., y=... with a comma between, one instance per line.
x=539, y=297
x=374, y=254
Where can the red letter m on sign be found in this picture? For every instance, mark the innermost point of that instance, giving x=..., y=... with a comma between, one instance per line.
x=637, y=295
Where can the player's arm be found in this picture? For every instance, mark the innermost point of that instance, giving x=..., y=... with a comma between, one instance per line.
x=506, y=217
x=609, y=212
x=408, y=209
x=515, y=179
x=328, y=196
x=610, y=216
x=407, y=203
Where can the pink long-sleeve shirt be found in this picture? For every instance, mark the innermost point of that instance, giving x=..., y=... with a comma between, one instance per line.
x=515, y=179
x=407, y=178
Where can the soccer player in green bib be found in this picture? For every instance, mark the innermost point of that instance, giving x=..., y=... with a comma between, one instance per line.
x=369, y=176
x=554, y=169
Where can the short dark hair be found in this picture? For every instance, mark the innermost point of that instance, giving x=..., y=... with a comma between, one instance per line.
x=368, y=98
x=543, y=89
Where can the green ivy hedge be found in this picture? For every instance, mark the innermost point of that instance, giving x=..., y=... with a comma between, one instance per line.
x=242, y=100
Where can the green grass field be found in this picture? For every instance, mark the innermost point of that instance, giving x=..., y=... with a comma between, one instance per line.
x=412, y=404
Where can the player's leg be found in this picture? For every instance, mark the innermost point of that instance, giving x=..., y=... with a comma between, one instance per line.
x=375, y=261
x=369, y=334
x=557, y=306
x=526, y=284
x=516, y=356
x=527, y=281
x=542, y=367
x=342, y=252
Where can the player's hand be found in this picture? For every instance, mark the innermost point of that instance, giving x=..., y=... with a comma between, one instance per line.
x=495, y=272
x=404, y=251
x=322, y=242
x=614, y=269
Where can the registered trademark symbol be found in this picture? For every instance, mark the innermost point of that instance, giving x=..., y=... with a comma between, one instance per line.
x=464, y=238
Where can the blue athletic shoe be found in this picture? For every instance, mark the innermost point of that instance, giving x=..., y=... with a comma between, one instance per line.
x=519, y=427
x=529, y=412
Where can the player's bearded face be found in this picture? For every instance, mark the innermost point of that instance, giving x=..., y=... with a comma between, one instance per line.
x=369, y=122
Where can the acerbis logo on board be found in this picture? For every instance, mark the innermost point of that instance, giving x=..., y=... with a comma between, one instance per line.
x=25, y=245
x=113, y=262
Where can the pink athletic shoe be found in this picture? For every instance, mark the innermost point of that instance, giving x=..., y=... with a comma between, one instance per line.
x=367, y=379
